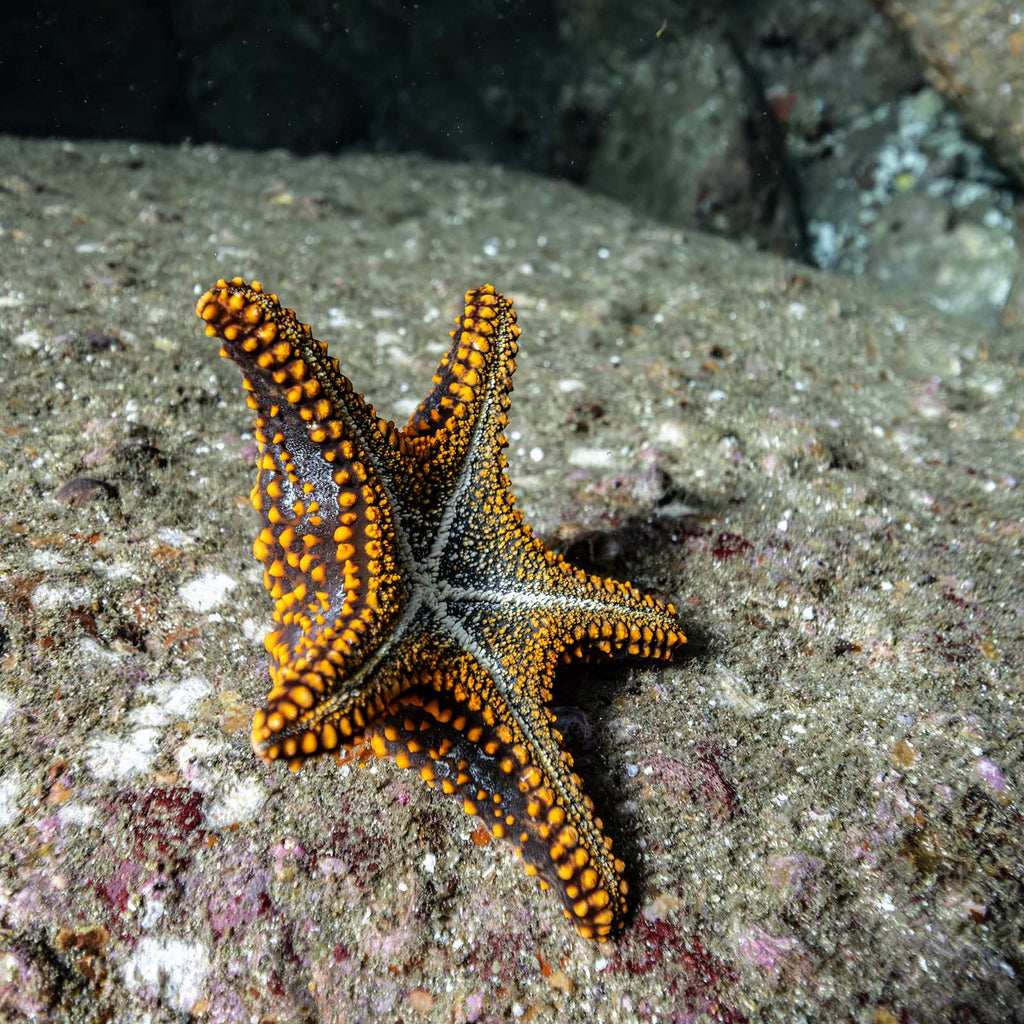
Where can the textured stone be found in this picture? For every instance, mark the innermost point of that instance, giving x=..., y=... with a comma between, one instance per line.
x=813, y=445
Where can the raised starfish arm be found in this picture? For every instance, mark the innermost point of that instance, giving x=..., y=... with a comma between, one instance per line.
x=327, y=531
x=462, y=419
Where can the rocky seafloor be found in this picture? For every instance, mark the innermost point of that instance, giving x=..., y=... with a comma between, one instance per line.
x=818, y=803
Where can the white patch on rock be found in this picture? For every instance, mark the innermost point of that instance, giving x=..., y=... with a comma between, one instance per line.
x=8, y=709
x=170, y=700
x=173, y=536
x=183, y=695
x=113, y=757
x=171, y=969
x=30, y=339
x=673, y=432
x=79, y=815
x=10, y=791
x=591, y=458
x=51, y=596
x=253, y=630
x=194, y=750
x=235, y=800
x=207, y=591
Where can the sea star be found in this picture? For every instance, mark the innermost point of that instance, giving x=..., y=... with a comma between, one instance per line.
x=415, y=609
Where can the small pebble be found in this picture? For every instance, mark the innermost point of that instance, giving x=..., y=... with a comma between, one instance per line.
x=420, y=1000
x=82, y=490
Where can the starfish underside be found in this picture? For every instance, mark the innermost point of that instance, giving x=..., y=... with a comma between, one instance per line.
x=415, y=610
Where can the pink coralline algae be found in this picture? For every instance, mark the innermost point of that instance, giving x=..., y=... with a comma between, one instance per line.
x=765, y=950
x=990, y=773
x=696, y=977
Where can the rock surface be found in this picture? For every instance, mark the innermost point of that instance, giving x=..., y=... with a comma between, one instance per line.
x=974, y=53
x=819, y=802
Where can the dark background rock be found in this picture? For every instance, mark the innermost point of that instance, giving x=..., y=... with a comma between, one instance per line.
x=792, y=126
x=974, y=54
x=818, y=801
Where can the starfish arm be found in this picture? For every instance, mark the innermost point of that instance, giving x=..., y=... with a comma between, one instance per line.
x=497, y=562
x=506, y=765
x=327, y=537
x=278, y=354
x=578, y=627
x=463, y=417
x=358, y=694
x=587, y=614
